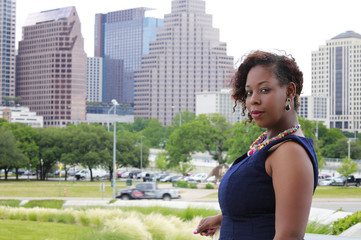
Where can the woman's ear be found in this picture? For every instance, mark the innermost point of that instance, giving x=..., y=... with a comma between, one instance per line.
x=291, y=90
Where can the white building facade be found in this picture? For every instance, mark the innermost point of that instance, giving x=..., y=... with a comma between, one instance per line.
x=336, y=74
x=94, y=79
x=314, y=108
x=219, y=102
x=21, y=115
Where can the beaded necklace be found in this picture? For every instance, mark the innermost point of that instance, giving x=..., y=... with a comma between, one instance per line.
x=260, y=141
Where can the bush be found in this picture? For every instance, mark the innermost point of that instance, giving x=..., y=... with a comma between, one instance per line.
x=182, y=184
x=209, y=186
x=318, y=228
x=342, y=224
x=193, y=185
x=57, y=204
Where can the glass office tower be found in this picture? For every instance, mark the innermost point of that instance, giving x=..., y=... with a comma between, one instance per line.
x=7, y=50
x=121, y=38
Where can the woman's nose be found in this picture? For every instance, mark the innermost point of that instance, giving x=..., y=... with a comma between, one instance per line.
x=255, y=98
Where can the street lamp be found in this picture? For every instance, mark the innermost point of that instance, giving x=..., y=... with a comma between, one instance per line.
x=180, y=116
x=141, y=152
x=115, y=104
x=349, y=148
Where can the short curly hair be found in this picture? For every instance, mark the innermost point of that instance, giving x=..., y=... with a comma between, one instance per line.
x=284, y=68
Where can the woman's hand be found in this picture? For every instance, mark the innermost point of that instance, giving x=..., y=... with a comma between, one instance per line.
x=208, y=226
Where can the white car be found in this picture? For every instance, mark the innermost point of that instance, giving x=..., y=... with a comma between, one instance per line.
x=199, y=177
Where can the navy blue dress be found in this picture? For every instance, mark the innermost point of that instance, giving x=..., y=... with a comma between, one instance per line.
x=246, y=195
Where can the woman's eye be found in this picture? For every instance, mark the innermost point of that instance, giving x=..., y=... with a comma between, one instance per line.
x=249, y=93
x=264, y=90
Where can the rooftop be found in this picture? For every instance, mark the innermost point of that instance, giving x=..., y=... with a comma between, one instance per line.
x=347, y=34
x=48, y=16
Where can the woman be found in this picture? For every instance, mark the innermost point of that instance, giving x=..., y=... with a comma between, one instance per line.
x=267, y=192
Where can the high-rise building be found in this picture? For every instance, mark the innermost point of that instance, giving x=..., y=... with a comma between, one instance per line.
x=219, y=102
x=314, y=108
x=336, y=74
x=94, y=79
x=187, y=57
x=51, y=66
x=7, y=49
x=121, y=38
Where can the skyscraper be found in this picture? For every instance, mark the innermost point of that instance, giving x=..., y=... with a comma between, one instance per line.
x=336, y=74
x=7, y=49
x=94, y=79
x=121, y=38
x=187, y=57
x=51, y=66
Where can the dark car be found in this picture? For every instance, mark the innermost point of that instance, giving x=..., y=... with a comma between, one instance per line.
x=149, y=177
x=134, y=173
x=160, y=177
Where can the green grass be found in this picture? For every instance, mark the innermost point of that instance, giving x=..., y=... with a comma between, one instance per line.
x=53, y=189
x=318, y=228
x=27, y=230
x=10, y=202
x=337, y=192
x=184, y=214
x=50, y=203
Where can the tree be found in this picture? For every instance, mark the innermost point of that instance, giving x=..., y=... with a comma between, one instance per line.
x=25, y=138
x=153, y=133
x=183, y=117
x=161, y=161
x=184, y=168
x=49, y=142
x=243, y=137
x=347, y=168
x=10, y=154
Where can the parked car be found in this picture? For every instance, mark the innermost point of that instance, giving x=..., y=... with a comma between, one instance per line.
x=165, y=179
x=85, y=174
x=161, y=176
x=349, y=181
x=149, y=177
x=148, y=190
x=338, y=181
x=134, y=173
x=199, y=177
x=325, y=182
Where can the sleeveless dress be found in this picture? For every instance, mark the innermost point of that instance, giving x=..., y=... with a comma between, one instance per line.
x=246, y=195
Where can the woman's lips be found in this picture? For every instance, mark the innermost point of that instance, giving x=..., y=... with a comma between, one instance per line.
x=257, y=114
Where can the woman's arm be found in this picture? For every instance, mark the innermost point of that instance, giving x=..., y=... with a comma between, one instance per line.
x=207, y=226
x=291, y=170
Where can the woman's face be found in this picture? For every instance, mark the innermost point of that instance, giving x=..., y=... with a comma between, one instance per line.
x=266, y=99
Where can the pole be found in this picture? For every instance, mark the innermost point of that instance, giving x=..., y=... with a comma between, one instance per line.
x=141, y=152
x=114, y=147
x=180, y=118
x=349, y=148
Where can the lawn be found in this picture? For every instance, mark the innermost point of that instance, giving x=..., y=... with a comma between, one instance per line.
x=337, y=192
x=28, y=230
x=54, y=189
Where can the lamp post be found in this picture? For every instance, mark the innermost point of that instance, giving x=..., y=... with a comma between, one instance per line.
x=349, y=148
x=115, y=104
x=141, y=152
x=180, y=116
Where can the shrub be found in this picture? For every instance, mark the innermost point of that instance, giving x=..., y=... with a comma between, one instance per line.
x=342, y=224
x=209, y=186
x=182, y=184
x=57, y=204
x=193, y=185
x=318, y=228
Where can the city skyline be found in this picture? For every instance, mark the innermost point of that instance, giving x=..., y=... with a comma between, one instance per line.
x=296, y=28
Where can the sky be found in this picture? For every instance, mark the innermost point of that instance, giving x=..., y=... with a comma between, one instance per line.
x=296, y=27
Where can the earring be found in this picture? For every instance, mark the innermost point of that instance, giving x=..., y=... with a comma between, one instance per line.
x=288, y=105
